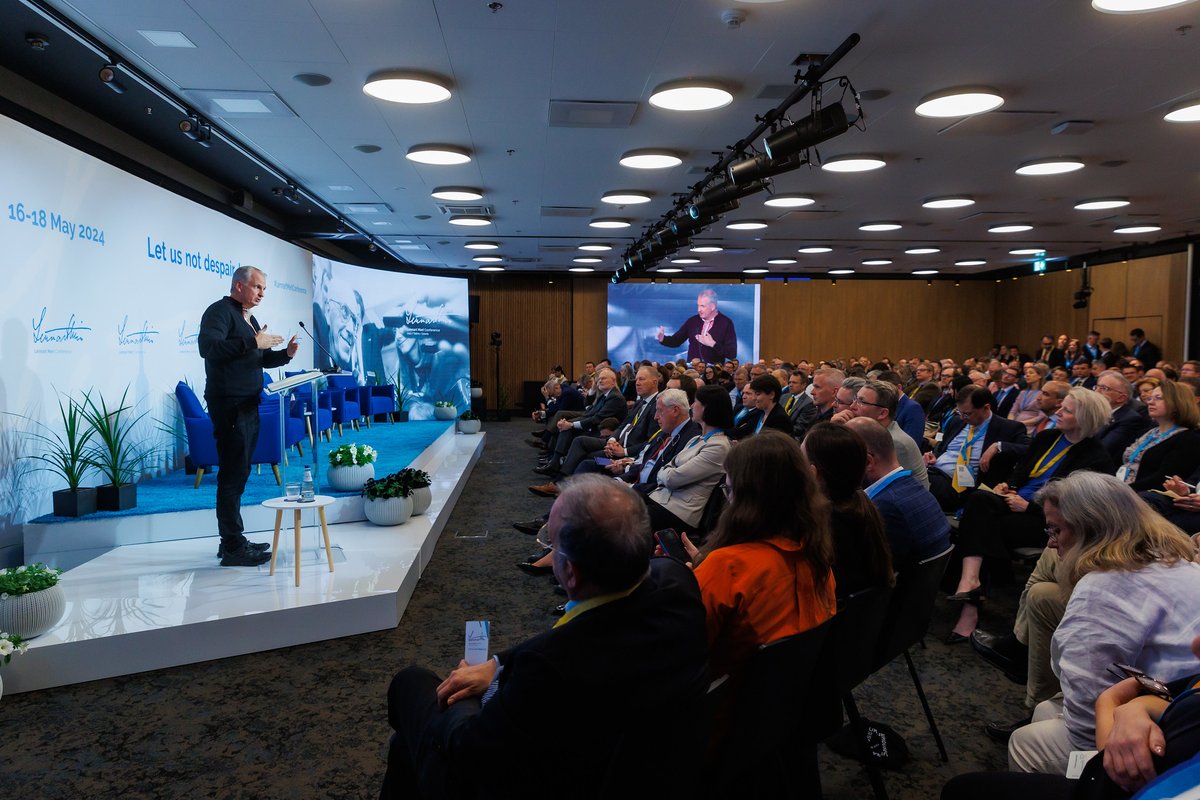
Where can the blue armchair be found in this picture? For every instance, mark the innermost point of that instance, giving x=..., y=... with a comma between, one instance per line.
x=346, y=410
x=302, y=404
x=293, y=434
x=202, y=447
x=377, y=400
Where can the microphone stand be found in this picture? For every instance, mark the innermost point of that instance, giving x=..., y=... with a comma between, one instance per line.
x=333, y=369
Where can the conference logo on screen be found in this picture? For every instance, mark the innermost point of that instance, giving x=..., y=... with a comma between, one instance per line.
x=188, y=337
x=134, y=335
x=52, y=329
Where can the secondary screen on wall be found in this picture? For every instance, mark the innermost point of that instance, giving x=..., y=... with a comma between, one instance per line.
x=394, y=327
x=660, y=322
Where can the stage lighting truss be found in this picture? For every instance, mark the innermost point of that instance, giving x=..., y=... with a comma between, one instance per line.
x=197, y=130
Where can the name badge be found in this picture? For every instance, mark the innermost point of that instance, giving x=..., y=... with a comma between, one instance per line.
x=476, y=649
x=965, y=479
x=938, y=438
x=1123, y=474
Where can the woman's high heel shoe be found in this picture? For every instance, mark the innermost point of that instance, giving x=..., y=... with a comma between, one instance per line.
x=975, y=596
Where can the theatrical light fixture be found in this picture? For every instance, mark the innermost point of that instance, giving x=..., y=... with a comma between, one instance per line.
x=951, y=201
x=1184, y=112
x=1028, y=251
x=1137, y=229
x=789, y=201
x=438, y=154
x=1050, y=166
x=468, y=220
x=690, y=96
x=962, y=101
x=922, y=251
x=781, y=261
x=1102, y=204
x=609, y=222
x=459, y=194
x=482, y=246
x=650, y=159
x=814, y=250
x=587, y=260
x=596, y=247
x=925, y=272
x=396, y=86
x=580, y=269
x=746, y=225
x=877, y=262
x=820, y=126
x=625, y=198
x=970, y=262
x=756, y=168
x=108, y=76
x=876, y=227
x=1013, y=228
x=707, y=248
x=755, y=270
x=196, y=130
x=491, y=269
x=488, y=259
x=1135, y=6
x=841, y=272
x=723, y=195
x=853, y=164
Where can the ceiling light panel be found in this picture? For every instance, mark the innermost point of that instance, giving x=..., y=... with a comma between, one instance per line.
x=1135, y=6
x=438, y=154
x=411, y=88
x=853, y=164
x=650, y=159
x=1050, y=166
x=1101, y=204
x=1186, y=112
x=1013, y=228
x=596, y=247
x=482, y=246
x=788, y=201
x=690, y=96
x=461, y=194
x=877, y=227
x=950, y=201
x=609, y=222
x=963, y=101
x=625, y=198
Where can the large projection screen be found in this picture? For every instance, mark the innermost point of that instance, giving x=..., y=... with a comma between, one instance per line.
x=393, y=327
x=636, y=312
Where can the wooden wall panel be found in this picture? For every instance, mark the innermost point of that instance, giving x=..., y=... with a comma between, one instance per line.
x=1030, y=307
x=589, y=312
x=1110, y=293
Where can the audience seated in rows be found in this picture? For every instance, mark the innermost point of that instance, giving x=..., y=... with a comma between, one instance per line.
x=1171, y=446
x=955, y=465
x=768, y=414
x=876, y=401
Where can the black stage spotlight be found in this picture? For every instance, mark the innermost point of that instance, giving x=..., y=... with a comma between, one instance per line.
x=108, y=76
x=197, y=131
x=817, y=127
x=720, y=195
x=756, y=168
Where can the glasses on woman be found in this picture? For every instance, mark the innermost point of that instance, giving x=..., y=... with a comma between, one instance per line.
x=1053, y=531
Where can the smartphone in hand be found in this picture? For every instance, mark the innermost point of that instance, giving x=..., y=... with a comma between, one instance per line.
x=671, y=544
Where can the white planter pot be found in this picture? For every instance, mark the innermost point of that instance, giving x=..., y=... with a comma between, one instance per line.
x=476, y=392
x=29, y=615
x=445, y=412
x=421, y=498
x=390, y=511
x=351, y=478
x=469, y=425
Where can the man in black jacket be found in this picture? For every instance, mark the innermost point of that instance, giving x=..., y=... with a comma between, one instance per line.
x=955, y=467
x=710, y=335
x=609, y=402
x=236, y=349
x=610, y=696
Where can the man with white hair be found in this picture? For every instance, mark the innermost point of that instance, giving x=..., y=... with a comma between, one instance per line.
x=710, y=334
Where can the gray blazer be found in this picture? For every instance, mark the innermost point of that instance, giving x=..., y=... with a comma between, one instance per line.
x=685, y=484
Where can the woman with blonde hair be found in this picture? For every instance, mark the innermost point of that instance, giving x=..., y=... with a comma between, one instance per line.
x=1171, y=447
x=1025, y=409
x=1135, y=600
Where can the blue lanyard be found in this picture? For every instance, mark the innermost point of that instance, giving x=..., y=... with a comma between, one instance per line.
x=879, y=487
x=761, y=420
x=1150, y=442
x=697, y=439
x=741, y=414
x=966, y=448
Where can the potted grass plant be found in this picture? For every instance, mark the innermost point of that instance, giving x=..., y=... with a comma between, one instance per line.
x=113, y=451
x=65, y=454
x=387, y=500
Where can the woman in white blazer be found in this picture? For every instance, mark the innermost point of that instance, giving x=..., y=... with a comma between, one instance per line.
x=685, y=484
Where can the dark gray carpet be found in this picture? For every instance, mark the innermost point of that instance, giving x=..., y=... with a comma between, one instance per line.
x=310, y=721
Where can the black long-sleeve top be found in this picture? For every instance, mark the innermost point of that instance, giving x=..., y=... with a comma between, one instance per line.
x=233, y=363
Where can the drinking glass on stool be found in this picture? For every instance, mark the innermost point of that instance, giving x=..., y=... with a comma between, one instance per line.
x=292, y=492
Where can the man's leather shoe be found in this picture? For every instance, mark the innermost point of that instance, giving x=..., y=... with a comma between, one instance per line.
x=560, y=610
x=536, y=443
x=1005, y=653
x=245, y=557
x=550, y=470
x=545, y=490
x=259, y=546
x=1002, y=733
x=531, y=527
x=533, y=569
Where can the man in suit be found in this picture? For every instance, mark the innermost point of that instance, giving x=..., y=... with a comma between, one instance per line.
x=798, y=405
x=1128, y=421
x=825, y=384
x=1051, y=355
x=915, y=525
x=954, y=465
x=614, y=692
x=677, y=429
x=768, y=412
x=1091, y=345
x=710, y=334
x=1081, y=374
x=910, y=414
x=609, y=403
x=926, y=389
x=876, y=401
x=1006, y=393
x=1145, y=351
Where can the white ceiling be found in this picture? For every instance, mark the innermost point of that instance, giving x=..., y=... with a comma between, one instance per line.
x=1053, y=60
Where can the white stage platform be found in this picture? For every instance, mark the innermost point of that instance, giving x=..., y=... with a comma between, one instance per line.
x=141, y=607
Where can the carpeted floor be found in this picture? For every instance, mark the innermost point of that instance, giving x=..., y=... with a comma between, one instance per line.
x=309, y=721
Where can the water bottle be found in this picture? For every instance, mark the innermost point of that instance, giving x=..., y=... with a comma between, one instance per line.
x=306, y=486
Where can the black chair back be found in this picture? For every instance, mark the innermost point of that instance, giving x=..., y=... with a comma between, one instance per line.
x=712, y=510
x=911, y=608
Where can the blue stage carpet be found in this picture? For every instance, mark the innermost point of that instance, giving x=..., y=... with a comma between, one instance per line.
x=398, y=445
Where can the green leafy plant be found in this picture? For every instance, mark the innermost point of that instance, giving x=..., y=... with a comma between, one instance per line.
x=26, y=579
x=10, y=645
x=351, y=455
x=394, y=485
x=65, y=454
x=443, y=404
x=468, y=414
x=417, y=479
x=114, y=453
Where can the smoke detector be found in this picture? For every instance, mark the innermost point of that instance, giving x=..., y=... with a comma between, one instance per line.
x=733, y=18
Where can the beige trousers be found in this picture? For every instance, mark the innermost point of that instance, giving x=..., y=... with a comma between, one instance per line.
x=1043, y=745
x=1041, y=608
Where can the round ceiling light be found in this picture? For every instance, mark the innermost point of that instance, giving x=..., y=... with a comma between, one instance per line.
x=1028, y=251
x=781, y=261
x=671, y=270
x=788, y=201
x=853, y=164
x=405, y=87
x=950, y=201
x=922, y=251
x=609, y=222
x=1137, y=229
x=685, y=261
x=580, y=269
x=650, y=159
x=1102, y=204
x=437, y=154
x=755, y=270
x=1014, y=228
x=841, y=272
x=875, y=227
x=587, y=260
x=706, y=248
x=1135, y=6
x=1185, y=112
x=596, y=247
x=959, y=102
x=482, y=246
x=970, y=262
x=814, y=250
x=690, y=96
x=1050, y=166
x=458, y=194
x=488, y=259
x=925, y=272
x=468, y=220
x=625, y=198
x=491, y=269
x=746, y=225
x=877, y=262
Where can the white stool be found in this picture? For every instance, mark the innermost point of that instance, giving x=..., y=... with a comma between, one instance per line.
x=280, y=504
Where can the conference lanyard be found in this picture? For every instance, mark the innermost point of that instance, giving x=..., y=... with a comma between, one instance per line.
x=763, y=419
x=697, y=439
x=1043, y=466
x=1150, y=442
x=886, y=482
x=966, y=448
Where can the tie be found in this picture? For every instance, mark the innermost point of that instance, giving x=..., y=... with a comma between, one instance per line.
x=790, y=402
x=964, y=457
x=637, y=410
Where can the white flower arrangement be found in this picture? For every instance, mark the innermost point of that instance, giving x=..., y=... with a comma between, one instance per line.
x=352, y=455
x=10, y=645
